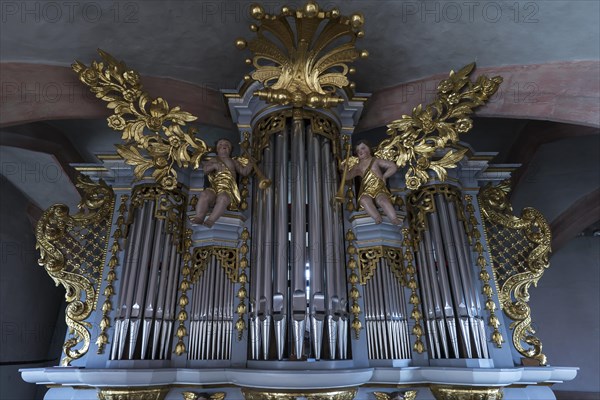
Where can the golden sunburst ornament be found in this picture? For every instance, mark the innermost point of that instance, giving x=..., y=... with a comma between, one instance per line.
x=301, y=56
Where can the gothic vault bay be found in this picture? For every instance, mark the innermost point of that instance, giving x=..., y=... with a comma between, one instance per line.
x=290, y=258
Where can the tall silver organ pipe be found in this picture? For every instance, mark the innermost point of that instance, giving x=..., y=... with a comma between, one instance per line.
x=315, y=240
x=265, y=308
x=298, y=238
x=280, y=266
x=211, y=322
x=146, y=305
x=452, y=308
x=257, y=272
x=332, y=259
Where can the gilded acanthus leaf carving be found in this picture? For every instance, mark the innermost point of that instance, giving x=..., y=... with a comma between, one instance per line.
x=152, y=131
x=421, y=140
x=520, y=247
x=292, y=68
x=73, y=251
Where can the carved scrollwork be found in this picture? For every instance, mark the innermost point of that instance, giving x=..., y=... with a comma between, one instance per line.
x=520, y=247
x=73, y=251
x=169, y=205
x=368, y=259
x=323, y=126
x=227, y=257
x=421, y=202
x=369, y=256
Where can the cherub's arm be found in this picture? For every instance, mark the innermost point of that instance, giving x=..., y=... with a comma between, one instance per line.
x=352, y=164
x=209, y=166
x=389, y=167
x=352, y=173
x=243, y=165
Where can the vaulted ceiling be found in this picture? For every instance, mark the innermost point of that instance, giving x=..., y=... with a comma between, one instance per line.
x=546, y=51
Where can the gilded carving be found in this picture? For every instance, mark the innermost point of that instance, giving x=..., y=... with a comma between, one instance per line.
x=348, y=394
x=484, y=276
x=203, y=396
x=299, y=69
x=227, y=257
x=169, y=205
x=73, y=251
x=354, y=280
x=369, y=256
x=135, y=113
x=418, y=140
x=113, y=263
x=415, y=314
x=420, y=203
x=132, y=393
x=242, y=293
x=520, y=247
x=408, y=395
x=183, y=288
x=466, y=393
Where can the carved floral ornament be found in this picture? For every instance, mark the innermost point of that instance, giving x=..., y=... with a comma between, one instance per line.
x=301, y=57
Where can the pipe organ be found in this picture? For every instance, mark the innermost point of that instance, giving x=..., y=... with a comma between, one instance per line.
x=301, y=290
x=450, y=292
x=293, y=293
x=145, y=310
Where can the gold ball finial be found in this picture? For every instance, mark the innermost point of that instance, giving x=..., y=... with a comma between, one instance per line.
x=351, y=70
x=311, y=9
x=285, y=10
x=240, y=44
x=247, y=78
x=335, y=13
x=254, y=28
x=357, y=20
x=364, y=54
x=257, y=11
x=248, y=61
x=360, y=34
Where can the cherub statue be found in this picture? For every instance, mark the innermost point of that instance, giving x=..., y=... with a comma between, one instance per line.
x=373, y=190
x=223, y=190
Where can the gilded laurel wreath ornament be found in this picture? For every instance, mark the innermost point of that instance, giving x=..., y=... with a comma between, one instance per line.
x=297, y=68
x=73, y=250
x=520, y=247
x=421, y=140
x=153, y=132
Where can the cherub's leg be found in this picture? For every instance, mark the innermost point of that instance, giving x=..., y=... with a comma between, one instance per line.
x=221, y=204
x=370, y=208
x=384, y=202
x=205, y=199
